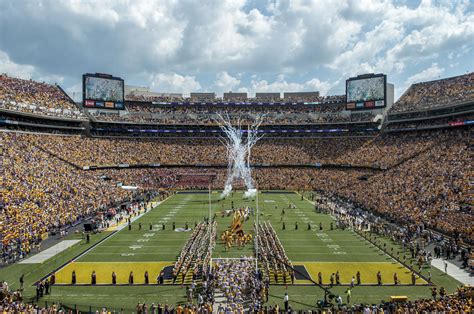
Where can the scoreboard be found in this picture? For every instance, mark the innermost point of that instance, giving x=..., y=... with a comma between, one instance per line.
x=366, y=91
x=102, y=91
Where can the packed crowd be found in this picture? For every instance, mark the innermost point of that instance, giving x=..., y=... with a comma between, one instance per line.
x=288, y=98
x=239, y=283
x=390, y=149
x=439, y=93
x=428, y=182
x=177, y=110
x=431, y=188
x=41, y=193
x=44, y=99
x=236, y=110
x=386, y=150
x=36, y=98
x=434, y=192
x=283, y=115
x=98, y=151
x=459, y=302
x=201, y=119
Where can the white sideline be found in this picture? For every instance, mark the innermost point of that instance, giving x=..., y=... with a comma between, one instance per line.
x=454, y=271
x=50, y=252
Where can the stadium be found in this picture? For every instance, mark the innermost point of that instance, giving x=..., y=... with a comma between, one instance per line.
x=124, y=199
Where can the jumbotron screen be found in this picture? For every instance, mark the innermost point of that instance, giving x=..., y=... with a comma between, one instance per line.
x=103, y=91
x=366, y=92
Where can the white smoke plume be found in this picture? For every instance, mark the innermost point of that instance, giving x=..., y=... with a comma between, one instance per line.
x=239, y=149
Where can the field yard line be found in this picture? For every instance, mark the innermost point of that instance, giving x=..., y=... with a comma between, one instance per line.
x=311, y=202
x=350, y=262
x=120, y=262
x=326, y=253
x=357, y=235
x=315, y=246
x=391, y=257
x=134, y=254
x=162, y=239
x=107, y=238
x=144, y=246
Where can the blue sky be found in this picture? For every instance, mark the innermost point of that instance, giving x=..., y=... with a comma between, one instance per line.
x=253, y=46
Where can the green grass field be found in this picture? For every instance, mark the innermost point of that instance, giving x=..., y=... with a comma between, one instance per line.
x=317, y=250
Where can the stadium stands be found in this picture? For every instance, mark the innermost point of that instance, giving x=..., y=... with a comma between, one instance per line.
x=99, y=151
x=416, y=175
x=36, y=98
x=419, y=177
x=426, y=181
x=458, y=302
x=386, y=150
x=323, y=112
x=429, y=189
x=432, y=94
x=41, y=194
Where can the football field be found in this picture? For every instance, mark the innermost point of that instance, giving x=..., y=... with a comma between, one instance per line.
x=155, y=246
x=149, y=247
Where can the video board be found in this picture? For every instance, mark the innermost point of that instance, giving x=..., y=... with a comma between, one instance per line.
x=103, y=91
x=366, y=92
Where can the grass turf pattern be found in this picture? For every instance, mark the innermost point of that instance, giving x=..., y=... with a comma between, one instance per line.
x=318, y=250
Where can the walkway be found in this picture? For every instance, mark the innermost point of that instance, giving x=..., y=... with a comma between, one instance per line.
x=454, y=271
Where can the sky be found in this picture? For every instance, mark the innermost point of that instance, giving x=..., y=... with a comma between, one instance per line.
x=251, y=46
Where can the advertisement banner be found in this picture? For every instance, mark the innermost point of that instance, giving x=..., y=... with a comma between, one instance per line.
x=379, y=103
x=109, y=104
x=89, y=103
x=369, y=104
x=99, y=104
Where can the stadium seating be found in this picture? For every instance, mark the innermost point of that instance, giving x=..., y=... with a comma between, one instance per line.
x=207, y=114
x=385, y=150
x=458, y=302
x=411, y=177
x=42, y=194
x=439, y=93
x=37, y=98
x=426, y=180
x=98, y=151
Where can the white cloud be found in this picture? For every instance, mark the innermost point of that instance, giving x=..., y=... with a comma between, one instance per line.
x=402, y=37
x=24, y=71
x=205, y=41
x=282, y=85
x=322, y=86
x=433, y=72
x=225, y=82
x=173, y=82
